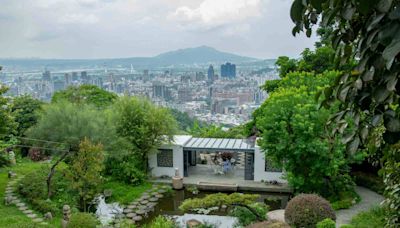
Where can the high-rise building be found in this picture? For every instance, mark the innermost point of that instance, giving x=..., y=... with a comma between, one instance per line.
x=228, y=70
x=67, y=80
x=211, y=73
x=160, y=90
x=146, y=73
x=46, y=76
x=74, y=76
x=84, y=76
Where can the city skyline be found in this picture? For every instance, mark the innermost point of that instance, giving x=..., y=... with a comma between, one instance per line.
x=127, y=28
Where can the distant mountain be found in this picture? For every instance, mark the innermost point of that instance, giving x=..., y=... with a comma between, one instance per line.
x=187, y=56
x=202, y=54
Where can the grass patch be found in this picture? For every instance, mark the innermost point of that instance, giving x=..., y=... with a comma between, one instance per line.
x=374, y=218
x=10, y=216
x=345, y=200
x=125, y=193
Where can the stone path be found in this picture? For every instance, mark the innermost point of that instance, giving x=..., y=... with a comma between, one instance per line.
x=144, y=205
x=369, y=199
x=10, y=194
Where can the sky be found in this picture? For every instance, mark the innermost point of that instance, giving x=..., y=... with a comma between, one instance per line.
x=132, y=28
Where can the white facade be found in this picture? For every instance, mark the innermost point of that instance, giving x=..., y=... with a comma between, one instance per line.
x=259, y=168
x=178, y=162
x=177, y=149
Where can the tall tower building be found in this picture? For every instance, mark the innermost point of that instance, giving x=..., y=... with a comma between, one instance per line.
x=228, y=70
x=46, y=76
x=211, y=73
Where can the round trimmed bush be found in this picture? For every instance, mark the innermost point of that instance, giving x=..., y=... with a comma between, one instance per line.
x=306, y=210
x=83, y=220
x=326, y=223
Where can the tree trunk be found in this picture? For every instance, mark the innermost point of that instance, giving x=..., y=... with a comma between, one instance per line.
x=52, y=171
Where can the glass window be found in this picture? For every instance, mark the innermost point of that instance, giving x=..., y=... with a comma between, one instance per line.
x=165, y=158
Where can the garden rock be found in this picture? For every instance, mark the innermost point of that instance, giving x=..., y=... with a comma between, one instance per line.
x=128, y=210
x=130, y=215
x=193, y=223
x=137, y=218
x=37, y=220
x=48, y=216
x=8, y=200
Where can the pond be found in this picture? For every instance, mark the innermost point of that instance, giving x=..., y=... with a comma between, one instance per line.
x=169, y=205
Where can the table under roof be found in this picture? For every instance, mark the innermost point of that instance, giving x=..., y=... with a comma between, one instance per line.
x=219, y=144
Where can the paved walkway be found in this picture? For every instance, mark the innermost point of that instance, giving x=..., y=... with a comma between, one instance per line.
x=369, y=199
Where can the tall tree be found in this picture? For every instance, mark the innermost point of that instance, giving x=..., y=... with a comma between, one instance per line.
x=25, y=111
x=369, y=92
x=294, y=136
x=85, y=94
x=144, y=125
x=85, y=171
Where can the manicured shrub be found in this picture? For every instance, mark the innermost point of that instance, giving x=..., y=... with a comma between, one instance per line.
x=246, y=217
x=83, y=220
x=326, y=223
x=306, y=210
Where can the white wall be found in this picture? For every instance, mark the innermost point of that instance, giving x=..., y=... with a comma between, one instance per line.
x=168, y=171
x=259, y=168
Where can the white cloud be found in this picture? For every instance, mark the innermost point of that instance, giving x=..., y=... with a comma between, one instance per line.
x=79, y=18
x=214, y=13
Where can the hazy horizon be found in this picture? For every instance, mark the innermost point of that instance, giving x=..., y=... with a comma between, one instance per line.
x=98, y=29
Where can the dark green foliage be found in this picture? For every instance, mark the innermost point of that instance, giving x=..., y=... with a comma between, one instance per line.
x=217, y=200
x=126, y=168
x=326, y=223
x=344, y=199
x=68, y=124
x=85, y=94
x=213, y=131
x=286, y=65
x=144, y=125
x=4, y=161
x=85, y=171
x=374, y=218
x=83, y=220
x=7, y=124
x=185, y=122
x=245, y=216
x=368, y=180
x=306, y=210
x=25, y=111
x=369, y=92
x=318, y=61
x=33, y=189
x=294, y=136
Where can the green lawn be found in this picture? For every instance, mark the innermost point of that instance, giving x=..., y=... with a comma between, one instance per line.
x=124, y=193
x=374, y=218
x=10, y=216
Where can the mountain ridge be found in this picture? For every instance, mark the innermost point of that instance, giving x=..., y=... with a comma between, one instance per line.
x=185, y=56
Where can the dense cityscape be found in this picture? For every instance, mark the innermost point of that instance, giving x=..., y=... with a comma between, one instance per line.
x=220, y=94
